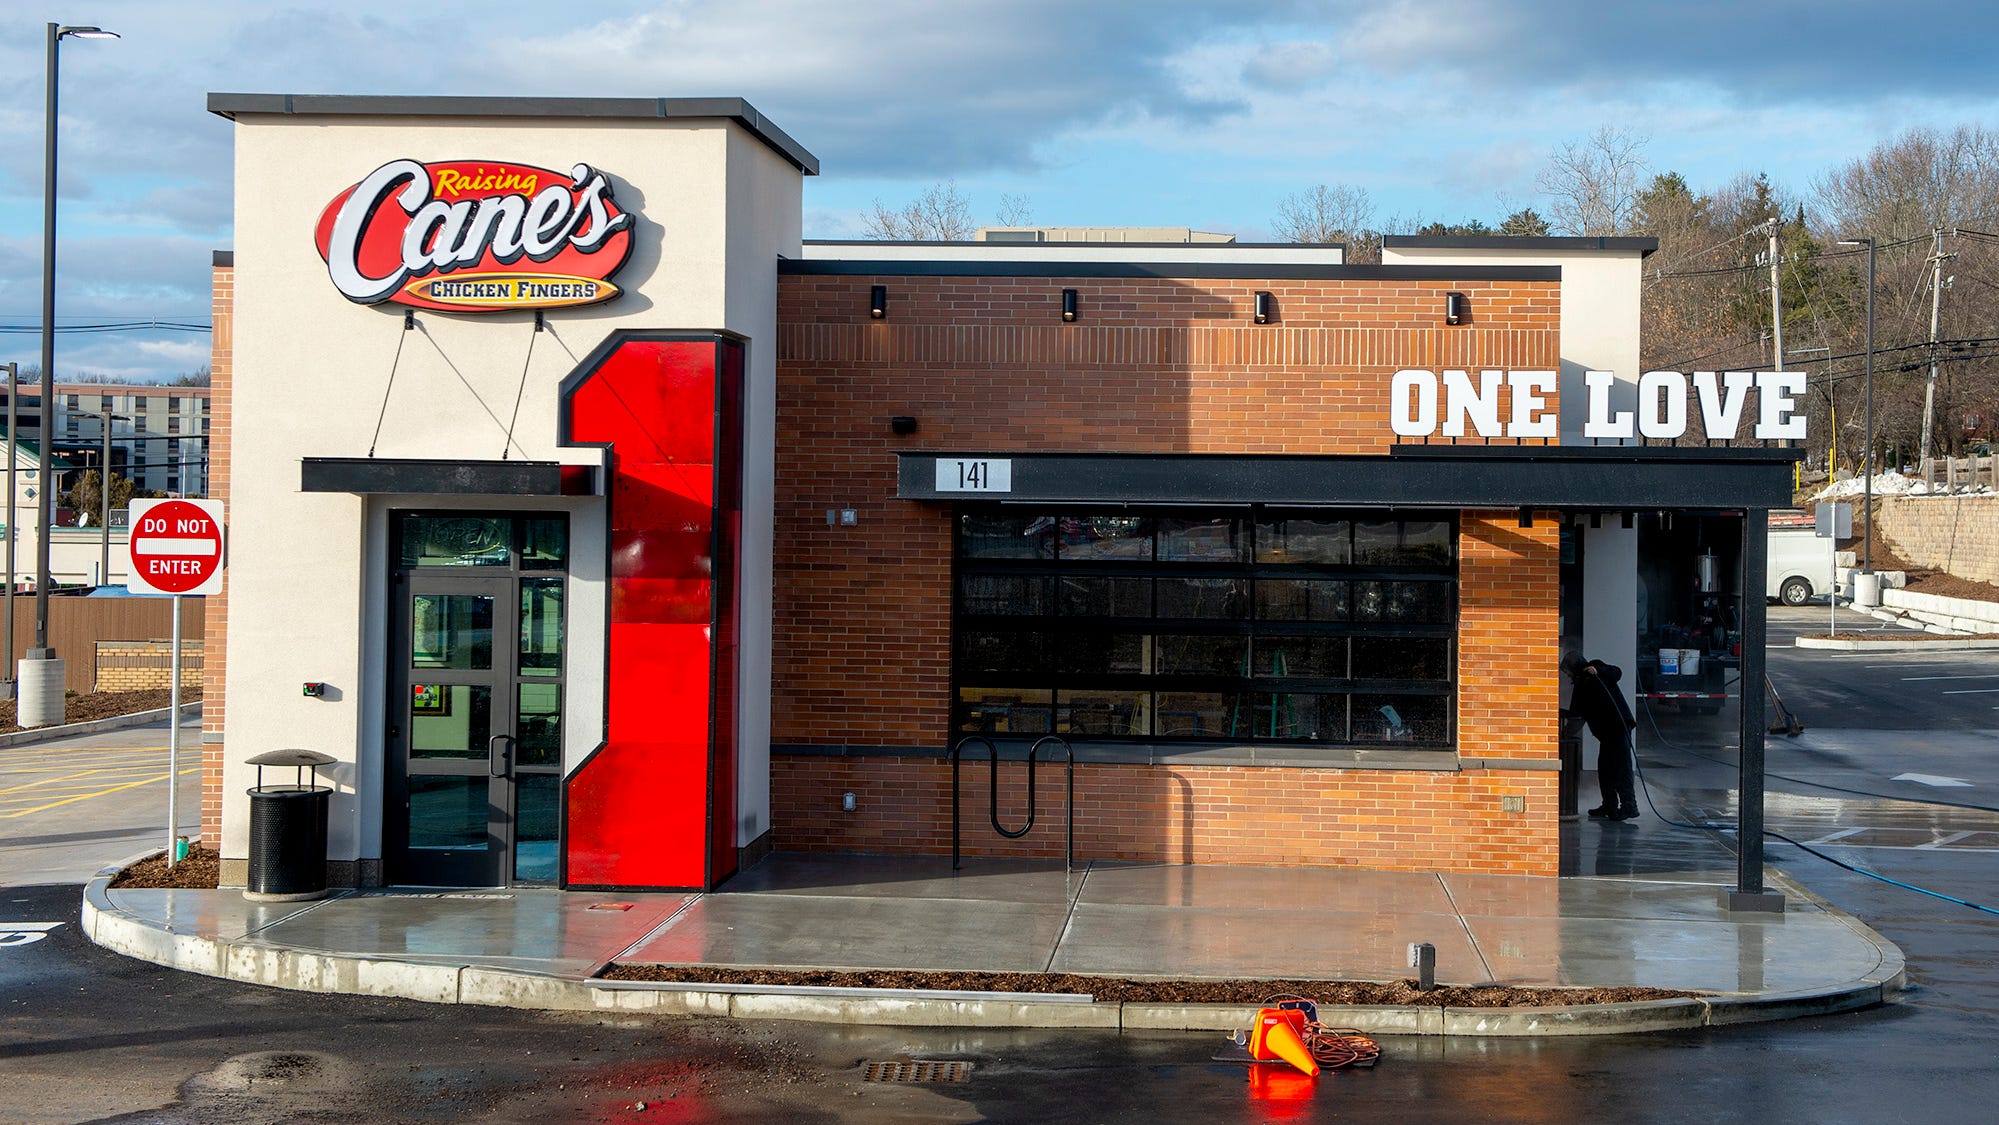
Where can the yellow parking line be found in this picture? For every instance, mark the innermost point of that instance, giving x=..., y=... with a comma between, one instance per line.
x=65, y=777
x=99, y=793
x=46, y=761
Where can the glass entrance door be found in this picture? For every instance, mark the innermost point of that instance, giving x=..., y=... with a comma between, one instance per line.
x=475, y=729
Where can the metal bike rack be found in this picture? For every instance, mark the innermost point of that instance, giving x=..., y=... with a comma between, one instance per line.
x=1033, y=760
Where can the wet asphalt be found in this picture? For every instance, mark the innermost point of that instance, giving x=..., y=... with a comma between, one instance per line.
x=86, y=1035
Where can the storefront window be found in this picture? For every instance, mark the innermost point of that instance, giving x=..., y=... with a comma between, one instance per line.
x=456, y=541
x=982, y=536
x=1103, y=538
x=1319, y=627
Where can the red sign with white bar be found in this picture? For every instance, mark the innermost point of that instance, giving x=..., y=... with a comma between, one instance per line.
x=175, y=547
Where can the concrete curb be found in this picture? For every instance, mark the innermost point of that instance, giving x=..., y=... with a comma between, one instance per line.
x=96, y=726
x=1954, y=644
x=255, y=962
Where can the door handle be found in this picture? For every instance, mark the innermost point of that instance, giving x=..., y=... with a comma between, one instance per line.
x=498, y=759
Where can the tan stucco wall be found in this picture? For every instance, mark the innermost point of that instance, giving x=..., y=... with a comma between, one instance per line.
x=308, y=572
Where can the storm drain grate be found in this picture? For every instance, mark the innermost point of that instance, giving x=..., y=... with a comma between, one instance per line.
x=916, y=1070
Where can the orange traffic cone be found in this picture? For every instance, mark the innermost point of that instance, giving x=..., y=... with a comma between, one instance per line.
x=1279, y=1034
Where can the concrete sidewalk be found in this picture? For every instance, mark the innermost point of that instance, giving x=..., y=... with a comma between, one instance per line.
x=1649, y=915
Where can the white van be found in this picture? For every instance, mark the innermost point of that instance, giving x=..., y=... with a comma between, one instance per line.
x=1800, y=565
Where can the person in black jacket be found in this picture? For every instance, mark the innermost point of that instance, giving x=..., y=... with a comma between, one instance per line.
x=1595, y=699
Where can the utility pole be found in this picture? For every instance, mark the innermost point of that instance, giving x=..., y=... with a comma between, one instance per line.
x=1776, y=303
x=1937, y=257
x=1777, y=333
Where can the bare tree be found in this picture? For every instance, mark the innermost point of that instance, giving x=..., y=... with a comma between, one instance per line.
x=1592, y=184
x=940, y=214
x=1014, y=210
x=1331, y=213
x=1920, y=180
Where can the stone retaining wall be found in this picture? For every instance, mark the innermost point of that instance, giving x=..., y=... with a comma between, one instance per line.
x=1955, y=534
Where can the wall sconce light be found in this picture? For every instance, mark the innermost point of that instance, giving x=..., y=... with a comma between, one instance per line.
x=877, y=302
x=902, y=425
x=1454, y=308
x=1068, y=304
x=1263, y=304
x=1526, y=517
x=1625, y=520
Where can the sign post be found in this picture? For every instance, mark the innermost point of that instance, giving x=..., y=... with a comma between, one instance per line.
x=174, y=547
x=1833, y=522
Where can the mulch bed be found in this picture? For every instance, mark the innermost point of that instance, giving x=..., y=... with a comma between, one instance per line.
x=201, y=871
x=1951, y=586
x=1922, y=580
x=1332, y=992
x=105, y=705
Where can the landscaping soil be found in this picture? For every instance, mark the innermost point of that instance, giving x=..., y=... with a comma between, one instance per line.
x=201, y=871
x=1951, y=586
x=1922, y=580
x=1332, y=992
x=105, y=705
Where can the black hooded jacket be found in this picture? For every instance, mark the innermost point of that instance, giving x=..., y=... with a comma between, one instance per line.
x=1600, y=704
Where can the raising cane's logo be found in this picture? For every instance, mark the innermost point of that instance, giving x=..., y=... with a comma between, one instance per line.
x=475, y=236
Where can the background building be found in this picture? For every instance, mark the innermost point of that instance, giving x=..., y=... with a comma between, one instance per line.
x=159, y=434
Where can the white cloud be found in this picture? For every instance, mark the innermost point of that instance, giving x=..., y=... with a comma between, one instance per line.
x=1112, y=111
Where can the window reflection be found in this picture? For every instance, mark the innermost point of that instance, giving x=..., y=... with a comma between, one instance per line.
x=1303, y=627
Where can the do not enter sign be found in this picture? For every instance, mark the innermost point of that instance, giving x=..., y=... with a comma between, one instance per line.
x=175, y=547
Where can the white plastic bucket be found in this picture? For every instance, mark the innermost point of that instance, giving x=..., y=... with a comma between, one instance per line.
x=1690, y=662
x=1669, y=662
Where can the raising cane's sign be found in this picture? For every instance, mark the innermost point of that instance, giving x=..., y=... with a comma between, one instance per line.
x=475, y=236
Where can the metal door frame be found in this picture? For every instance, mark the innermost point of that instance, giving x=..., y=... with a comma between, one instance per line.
x=504, y=584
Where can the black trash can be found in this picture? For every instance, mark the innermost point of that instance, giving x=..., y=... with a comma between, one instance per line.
x=288, y=829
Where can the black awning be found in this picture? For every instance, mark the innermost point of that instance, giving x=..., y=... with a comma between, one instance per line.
x=1441, y=476
x=447, y=478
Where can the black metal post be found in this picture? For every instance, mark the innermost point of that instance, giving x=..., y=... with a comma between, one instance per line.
x=1867, y=544
x=43, y=507
x=1749, y=893
x=13, y=533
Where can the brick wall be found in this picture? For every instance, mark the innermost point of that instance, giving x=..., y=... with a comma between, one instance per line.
x=144, y=665
x=222, y=375
x=1155, y=365
x=1955, y=534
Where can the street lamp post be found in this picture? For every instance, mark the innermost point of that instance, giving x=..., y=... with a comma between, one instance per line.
x=1867, y=457
x=41, y=672
x=13, y=393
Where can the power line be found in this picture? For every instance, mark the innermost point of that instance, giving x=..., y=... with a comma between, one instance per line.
x=117, y=326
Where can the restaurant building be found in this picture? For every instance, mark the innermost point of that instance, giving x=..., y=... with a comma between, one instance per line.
x=628, y=536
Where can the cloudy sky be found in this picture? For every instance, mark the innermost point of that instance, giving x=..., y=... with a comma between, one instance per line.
x=1124, y=112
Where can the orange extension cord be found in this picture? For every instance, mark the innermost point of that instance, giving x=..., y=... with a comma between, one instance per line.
x=1332, y=1047
x=1336, y=1047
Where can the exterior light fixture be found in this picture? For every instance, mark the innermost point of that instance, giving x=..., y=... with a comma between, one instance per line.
x=902, y=425
x=1263, y=307
x=1454, y=308
x=1068, y=304
x=877, y=302
x=46, y=706
x=1526, y=517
